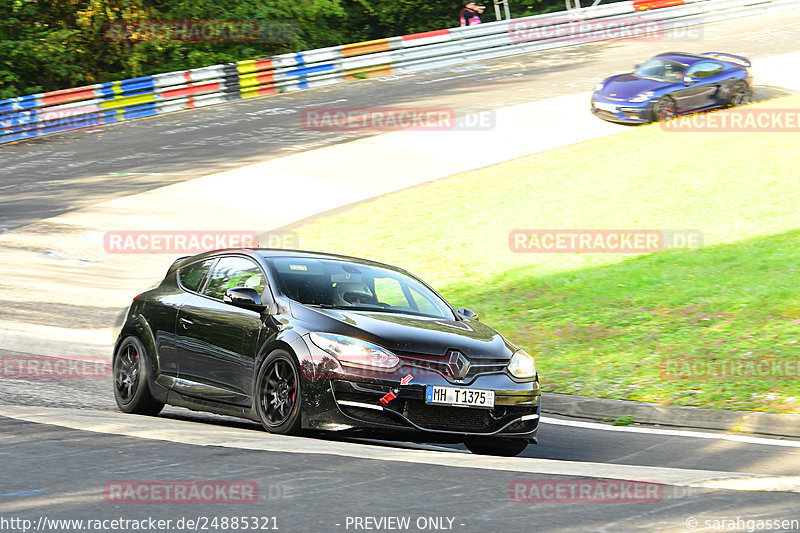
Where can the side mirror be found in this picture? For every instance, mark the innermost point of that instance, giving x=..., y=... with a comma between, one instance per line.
x=244, y=297
x=688, y=80
x=467, y=313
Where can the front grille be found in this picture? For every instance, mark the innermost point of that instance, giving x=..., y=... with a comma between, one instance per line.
x=441, y=364
x=445, y=417
x=448, y=418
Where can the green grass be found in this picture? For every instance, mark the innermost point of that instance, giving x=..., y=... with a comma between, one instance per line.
x=606, y=324
x=624, y=420
x=611, y=331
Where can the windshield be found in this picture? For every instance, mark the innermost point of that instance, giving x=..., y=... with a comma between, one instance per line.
x=661, y=70
x=343, y=284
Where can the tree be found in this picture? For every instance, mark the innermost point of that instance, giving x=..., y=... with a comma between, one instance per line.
x=56, y=44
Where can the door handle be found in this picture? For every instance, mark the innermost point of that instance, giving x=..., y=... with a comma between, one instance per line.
x=185, y=322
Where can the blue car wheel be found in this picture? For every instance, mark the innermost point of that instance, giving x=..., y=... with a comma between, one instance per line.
x=740, y=95
x=664, y=109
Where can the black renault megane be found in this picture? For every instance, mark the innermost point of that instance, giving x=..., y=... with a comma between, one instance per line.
x=303, y=341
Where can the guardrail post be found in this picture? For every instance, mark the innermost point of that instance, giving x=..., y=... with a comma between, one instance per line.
x=504, y=3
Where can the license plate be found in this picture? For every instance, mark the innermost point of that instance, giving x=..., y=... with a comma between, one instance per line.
x=606, y=107
x=459, y=397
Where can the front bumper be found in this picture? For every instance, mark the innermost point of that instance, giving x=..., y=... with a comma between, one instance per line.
x=515, y=414
x=348, y=400
x=354, y=406
x=621, y=111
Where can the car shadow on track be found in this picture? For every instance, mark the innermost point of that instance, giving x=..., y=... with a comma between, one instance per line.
x=177, y=413
x=570, y=443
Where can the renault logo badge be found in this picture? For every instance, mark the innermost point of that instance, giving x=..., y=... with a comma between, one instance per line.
x=458, y=365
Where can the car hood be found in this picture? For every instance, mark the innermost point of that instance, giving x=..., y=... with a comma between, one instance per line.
x=408, y=334
x=626, y=86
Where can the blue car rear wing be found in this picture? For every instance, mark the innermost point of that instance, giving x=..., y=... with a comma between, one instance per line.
x=729, y=57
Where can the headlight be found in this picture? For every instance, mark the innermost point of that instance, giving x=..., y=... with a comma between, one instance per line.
x=598, y=87
x=641, y=97
x=355, y=352
x=522, y=365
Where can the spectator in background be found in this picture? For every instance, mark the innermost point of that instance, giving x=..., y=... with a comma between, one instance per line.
x=470, y=15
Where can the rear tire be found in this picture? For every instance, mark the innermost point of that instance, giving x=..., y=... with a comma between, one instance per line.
x=278, y=396
x=495, y=446
x=131, y=387
x=740, y=95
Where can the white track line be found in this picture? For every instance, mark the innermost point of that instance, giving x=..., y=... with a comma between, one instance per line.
x=672, y=432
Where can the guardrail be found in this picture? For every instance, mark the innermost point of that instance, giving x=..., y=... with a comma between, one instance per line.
x=34, y=115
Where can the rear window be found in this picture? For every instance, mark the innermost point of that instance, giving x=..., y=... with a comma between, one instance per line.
x=705, y=69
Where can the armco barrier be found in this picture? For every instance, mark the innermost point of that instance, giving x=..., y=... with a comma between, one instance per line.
x=40, y=114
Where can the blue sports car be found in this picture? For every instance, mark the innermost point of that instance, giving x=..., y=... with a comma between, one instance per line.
x=672, y=84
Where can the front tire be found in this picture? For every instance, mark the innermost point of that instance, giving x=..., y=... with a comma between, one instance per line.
x=278, y=395
x=496, y=446
x=131, y=389
x=665, y=109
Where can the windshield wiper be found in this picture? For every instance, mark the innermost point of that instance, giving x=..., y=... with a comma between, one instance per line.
x=350, y=307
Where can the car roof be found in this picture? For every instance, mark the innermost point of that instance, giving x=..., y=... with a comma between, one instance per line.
x=268, y=253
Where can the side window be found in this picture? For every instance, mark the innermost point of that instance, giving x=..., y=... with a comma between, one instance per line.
x=192, y=276
x=389, y=291
x=232, y=272
x=705, y=69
